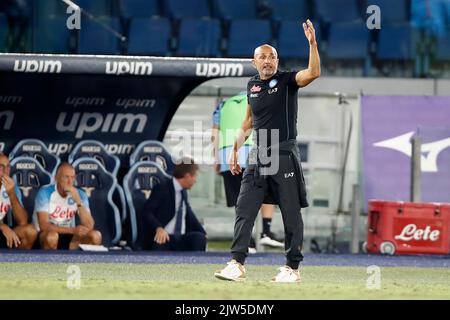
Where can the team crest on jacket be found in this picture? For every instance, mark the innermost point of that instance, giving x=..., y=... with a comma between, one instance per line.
x=273, y=83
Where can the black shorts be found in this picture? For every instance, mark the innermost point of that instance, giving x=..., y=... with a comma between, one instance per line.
x=232, y=186
x=63, y=241
x=3, y=244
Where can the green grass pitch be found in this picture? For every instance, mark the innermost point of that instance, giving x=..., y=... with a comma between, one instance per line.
x=196, y=281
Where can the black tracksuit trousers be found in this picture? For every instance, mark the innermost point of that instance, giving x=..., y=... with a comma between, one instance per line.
x=283, y=188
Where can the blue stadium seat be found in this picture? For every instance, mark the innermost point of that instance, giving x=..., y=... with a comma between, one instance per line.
x=17, y=8
x=392, y=12
x=179, y=9
x=246, y=35
x=139, y=8
x=445, y=5
x=443, y=47
x=338, y=11
x=97, y=150
x=154, y=151
x=51, y=35
x=3, y=32
x=36, y=149
x=292, y=42
x=138, y=184
x=397, y=42
x=97, y=7
x=45, y=9
x=99, y=186
x=236, y=9
x=94, y=39
x=348, y=41
x=199, y=38
x=29, y=176
x=297, y=10
x=149, y=36
x=430, y=16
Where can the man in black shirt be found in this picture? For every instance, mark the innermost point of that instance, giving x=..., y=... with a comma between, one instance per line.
x=274, y=173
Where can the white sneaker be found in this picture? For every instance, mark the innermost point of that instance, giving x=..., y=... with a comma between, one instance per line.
x=287, y=274
x=267, y=241
x=251, y=250
x=234, y=271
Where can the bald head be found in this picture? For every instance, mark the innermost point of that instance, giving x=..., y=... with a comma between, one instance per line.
x=64, y=166
x=265, y=48
x=265, y=60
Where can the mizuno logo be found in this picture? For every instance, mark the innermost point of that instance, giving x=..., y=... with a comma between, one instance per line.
x=430, y=151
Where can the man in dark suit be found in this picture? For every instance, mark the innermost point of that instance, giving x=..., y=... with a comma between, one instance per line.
x=169, y=222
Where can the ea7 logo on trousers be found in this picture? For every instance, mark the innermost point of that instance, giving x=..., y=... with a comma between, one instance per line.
x=288, y=175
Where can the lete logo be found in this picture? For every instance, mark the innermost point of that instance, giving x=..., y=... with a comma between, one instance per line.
x=411, y=232
x=255, y=89
x=430, y=151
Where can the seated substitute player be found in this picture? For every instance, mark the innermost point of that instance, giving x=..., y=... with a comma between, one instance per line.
x=55, y=211
x=23, y=235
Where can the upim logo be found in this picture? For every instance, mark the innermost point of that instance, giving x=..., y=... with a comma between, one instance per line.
x=82, y=123
x=59, y=148
x=411, y=232
x=8, y=116
x=85, y=101
x=40, y=66
x=125, y=67
x=11, y=99
x=140, y=103
x=219, y=69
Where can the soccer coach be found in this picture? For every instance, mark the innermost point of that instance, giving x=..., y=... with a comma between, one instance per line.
x=272, y=106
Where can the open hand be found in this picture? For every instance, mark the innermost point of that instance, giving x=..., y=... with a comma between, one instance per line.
x=310, y=33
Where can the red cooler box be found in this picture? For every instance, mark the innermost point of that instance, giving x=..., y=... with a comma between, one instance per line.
x=408, y=228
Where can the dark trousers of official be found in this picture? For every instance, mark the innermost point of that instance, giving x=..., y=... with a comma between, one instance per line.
x=190, y=241
x=284, y=186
